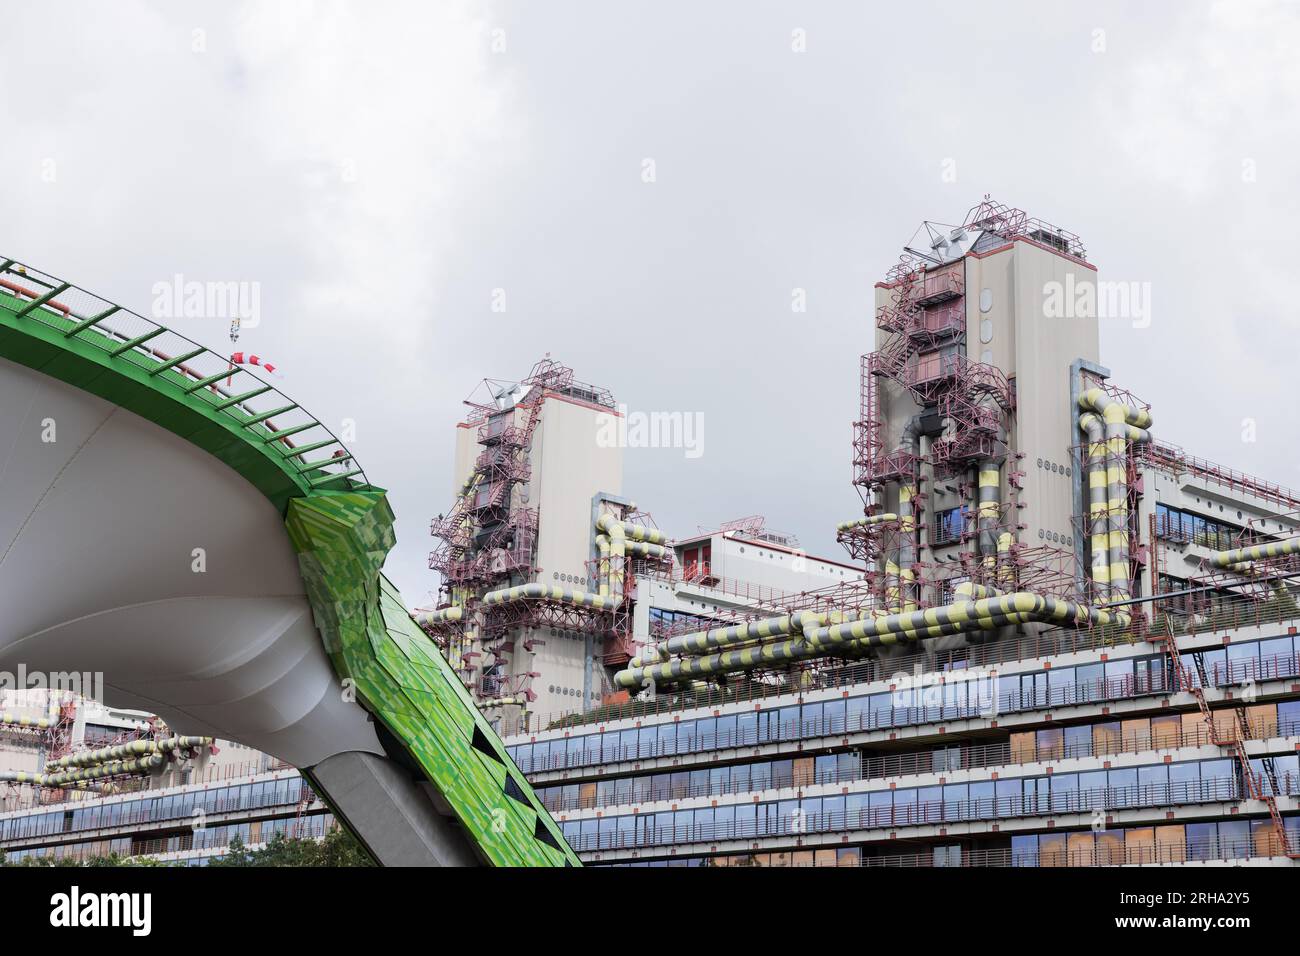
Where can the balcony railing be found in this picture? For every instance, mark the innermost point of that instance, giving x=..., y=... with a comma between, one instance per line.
x=649, y=830
x=669, y=785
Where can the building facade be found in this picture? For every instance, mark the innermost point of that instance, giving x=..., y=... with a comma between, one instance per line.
x=1068, y=642
x=1055, y=637
x=185, y=807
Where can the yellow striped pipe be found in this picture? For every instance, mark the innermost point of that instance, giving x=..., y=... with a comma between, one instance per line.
x=866, y=522
x=546, y=592
x=644, y=549
x=906, y=548
x=633, y=532
x=706, y=640
x=22, y=720
x=988, y=507
x=615, y=540
x=1006, y=569
x=503, y=702
x=1108, y=437
x=1242, y=556
x=892, y=575
x=617, y=556
x=443, y=615
x=969, y=590
x=602, y=564
x=115, y=768
x=1015, y=608
x=133, y=748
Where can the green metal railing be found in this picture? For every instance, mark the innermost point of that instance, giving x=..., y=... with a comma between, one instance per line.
x=232, y=393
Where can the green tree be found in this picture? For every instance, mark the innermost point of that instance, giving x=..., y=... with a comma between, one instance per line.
x=338, y=848
x=341, y=848
x=236, y=855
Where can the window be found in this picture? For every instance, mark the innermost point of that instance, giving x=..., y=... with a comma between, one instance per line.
x=1024, y=850
x=947, y=527
x=1051, y=743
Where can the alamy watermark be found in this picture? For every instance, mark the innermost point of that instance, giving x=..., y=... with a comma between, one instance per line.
x=1091, y=299
x=180, y=298
x=960, y=691
x=627, y=429
x=87, y=684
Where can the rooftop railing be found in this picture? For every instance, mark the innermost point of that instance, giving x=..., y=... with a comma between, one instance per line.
x=232, y=393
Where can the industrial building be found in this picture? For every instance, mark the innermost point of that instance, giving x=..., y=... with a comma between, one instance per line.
x=1054, y=637
x=1062, y=638
x=552, y=578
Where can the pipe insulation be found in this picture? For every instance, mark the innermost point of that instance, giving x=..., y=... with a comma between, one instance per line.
x=547, y=592
x=640, y=549
x=622, y=538
x=36, y=723
x=1271, y=549
x=1014, y=608
x=772, y=653
x=443, y=615
x=134, y=748
x=22, y=720
x=866, y=522
x=1109, y=426
x=116, y=768
x=989, y=504
x=707, y=640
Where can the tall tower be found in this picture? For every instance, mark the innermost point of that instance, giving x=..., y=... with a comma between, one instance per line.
x=963, y=448
x=531, y=457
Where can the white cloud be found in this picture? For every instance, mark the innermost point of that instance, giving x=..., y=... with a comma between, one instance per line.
x=474, y=170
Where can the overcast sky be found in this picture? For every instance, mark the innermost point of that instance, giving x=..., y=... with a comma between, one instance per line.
x=380, y=169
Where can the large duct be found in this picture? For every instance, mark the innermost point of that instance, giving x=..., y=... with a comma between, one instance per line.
x=1238, y=556
x=443, y=615
x=620, y=534
x=717, y=637
x=116, y=768
x=1108, y=439
x=547, y=592
x=605, y=550
x=866, y=522
x=22, y=720
x=989, y=503
x=1015, y=608
x=620, y=537
x=134, y=748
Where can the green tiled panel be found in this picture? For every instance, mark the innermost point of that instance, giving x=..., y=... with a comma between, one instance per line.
x=342, y=538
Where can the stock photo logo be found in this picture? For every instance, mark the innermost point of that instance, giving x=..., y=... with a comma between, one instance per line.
x=180, y=298
x=1098, y=299
x=656, y=429
x=85, y=684
x=936, y=691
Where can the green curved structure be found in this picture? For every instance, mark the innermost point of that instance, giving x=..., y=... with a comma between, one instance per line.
x=339, y=525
